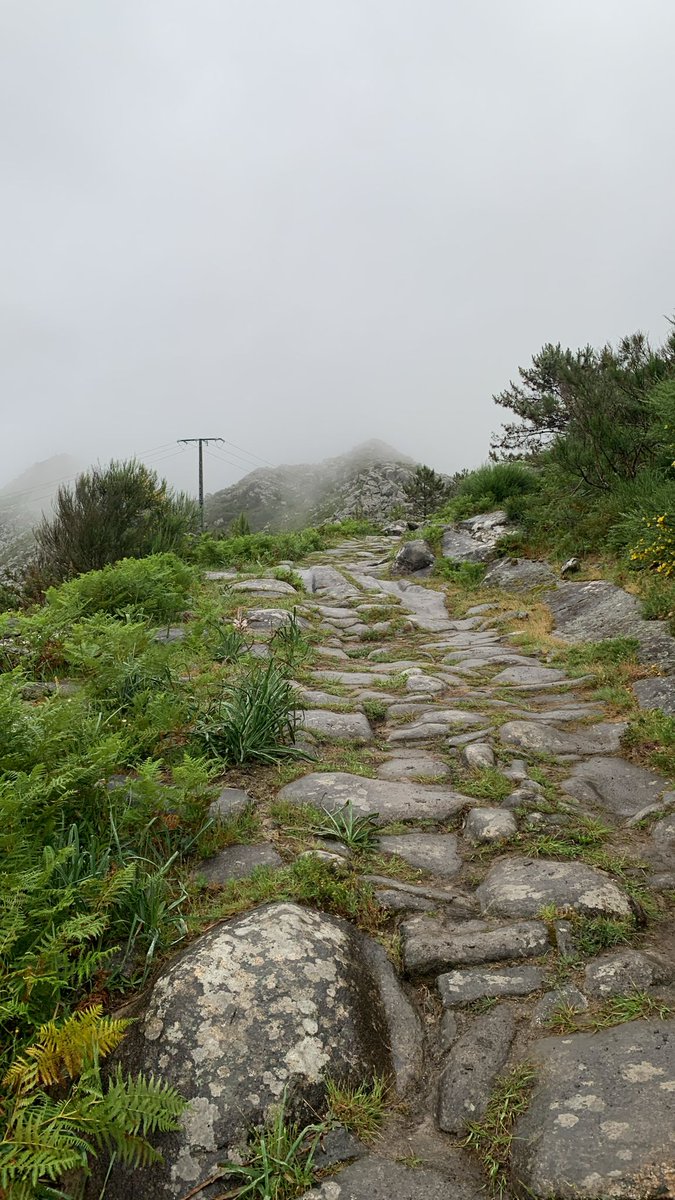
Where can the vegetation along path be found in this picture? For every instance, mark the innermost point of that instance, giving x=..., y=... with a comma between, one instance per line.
x=433, y=951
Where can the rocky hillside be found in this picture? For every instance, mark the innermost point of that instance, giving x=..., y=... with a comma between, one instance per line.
x=22, y=500
x=368, y=482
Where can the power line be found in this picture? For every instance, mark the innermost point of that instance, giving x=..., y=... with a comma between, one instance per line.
x=201, y=442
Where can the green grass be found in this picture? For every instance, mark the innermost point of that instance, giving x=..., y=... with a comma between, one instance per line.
x=280, y=1164
x=485, y=783
x=616, y=1010
x=650, y=739
x=359, y=1109
x=491, y=1137
x=331, y=888
x=375, y=710
x=593, y=934
x=359, y=832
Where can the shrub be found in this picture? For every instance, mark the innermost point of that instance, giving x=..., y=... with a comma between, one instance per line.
x=493, y=484
x=156, y=589
x=119, y=511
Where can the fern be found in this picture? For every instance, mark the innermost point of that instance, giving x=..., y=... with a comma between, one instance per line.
x=46, y=1136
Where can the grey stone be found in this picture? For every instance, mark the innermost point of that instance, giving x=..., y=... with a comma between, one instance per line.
x=490, y=825
x=604, y=738
x=424, y=683
x=413, y=556
x=620, y=787
x=338, y=727
x=656, y=693
x=463, y=987
x=478, y=754
x=174, y=633
x=236, y=862
x=270, y=619
x=474, y=1062
x=380, y=1179
x=418, y=732
x=390, y=801
x=278, y=998
x=413, y=765
x=601, y=1119
x=435, y=853
x=349, y=678
x=520, y=887
x=459, y=546
x=530, y=675
x=431, y=945
x=462, y=739
x=425, y=605
x=332, y=652
x=622, y=972
x=315, y=696
x=230, y=803
x=448, y=1030
x=591, y=612
x=265, y=587
x=518, y=575
x=220, y=576
x=327, y=581
x=404, y=1025
x=568, y=568
x=567, y=996
x=664, y=830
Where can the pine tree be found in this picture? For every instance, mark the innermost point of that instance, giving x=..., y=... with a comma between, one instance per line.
x=425, y=491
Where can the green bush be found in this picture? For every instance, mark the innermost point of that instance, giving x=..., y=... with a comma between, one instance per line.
x=121, y=511
x=155, y=589
x=494, y=483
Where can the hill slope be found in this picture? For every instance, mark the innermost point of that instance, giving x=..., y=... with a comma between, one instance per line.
x=367, y=481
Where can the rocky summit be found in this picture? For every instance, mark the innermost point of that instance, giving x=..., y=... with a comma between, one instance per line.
x=366, y=482
x=503, y=874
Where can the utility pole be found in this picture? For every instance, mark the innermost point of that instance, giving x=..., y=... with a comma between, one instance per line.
x=201, y=441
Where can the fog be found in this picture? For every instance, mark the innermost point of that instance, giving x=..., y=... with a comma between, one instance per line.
x=299, y=224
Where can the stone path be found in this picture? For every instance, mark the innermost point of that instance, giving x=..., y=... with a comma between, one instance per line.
x=484, y=768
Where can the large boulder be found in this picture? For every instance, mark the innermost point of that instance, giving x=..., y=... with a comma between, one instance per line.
x=601, y=1121
x=518, y=575
x=269, y=1003
x=413, y=556
x=595, y=611
x=474, y=540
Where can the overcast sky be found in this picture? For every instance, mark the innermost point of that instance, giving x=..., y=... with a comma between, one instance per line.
x=298, y=224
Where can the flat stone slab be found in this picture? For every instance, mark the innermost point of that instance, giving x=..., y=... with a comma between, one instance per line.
x=338, y=727
x=473, y=1064
x=425, y=683
x=418, y=732
x=323, y=699
x=490, y=825
x=426, y=607
x=349, y=678
x=656, y=693
x=620, y=787
x=601, y=1119
x=390, y=801
x=373, y=1178
x=328, y=582
x=435, y=853
x=265, y=587
x=623, y=972
x=530, y=675
x=463, y=987
x=431, y=945
x=237, y=862
x=521, y=887
x=604, y=738
x=518, y=575
x=412, y=765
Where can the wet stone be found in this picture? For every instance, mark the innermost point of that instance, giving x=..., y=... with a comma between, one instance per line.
x=478, y=755
x=490, y=825
x=236, y=862
x=337, y=727
x=230, y=803
x=463, y=987
x=620, y=787
x=623, y=972
x=520, y=887
x=565, y=997
x=370, y=797
x=432, y=945
x=424, y=683
x=412, y=766
x=265, y=587
x=435, y=853
x=374, y=1178
x=473, y=1064
x=601, y=1119
x=604, y=738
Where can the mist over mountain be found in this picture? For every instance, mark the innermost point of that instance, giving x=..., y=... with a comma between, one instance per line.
x=367, y=481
